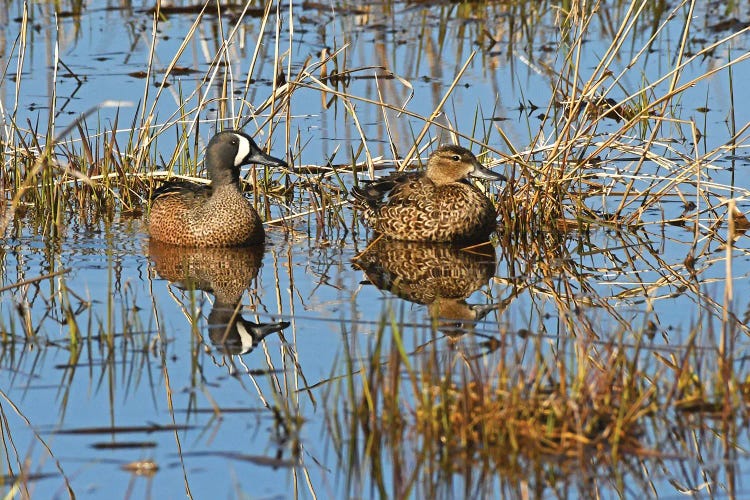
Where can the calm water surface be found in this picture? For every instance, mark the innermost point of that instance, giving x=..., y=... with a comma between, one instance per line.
x=264, y=423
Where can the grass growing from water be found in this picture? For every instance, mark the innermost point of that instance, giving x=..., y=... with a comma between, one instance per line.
x=531, y=405
x=527, y=412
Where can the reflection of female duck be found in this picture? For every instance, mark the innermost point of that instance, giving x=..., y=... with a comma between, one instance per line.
x=439, y=276
x=226, y=273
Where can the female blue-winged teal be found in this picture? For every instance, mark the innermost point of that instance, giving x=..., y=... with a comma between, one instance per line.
x=216, y=215
x=438, y=205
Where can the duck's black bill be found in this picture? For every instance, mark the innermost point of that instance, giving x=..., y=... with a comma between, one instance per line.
x=262, y=158
x=482, y=172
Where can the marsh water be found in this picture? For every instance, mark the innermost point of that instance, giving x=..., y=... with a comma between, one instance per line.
x=134, y=369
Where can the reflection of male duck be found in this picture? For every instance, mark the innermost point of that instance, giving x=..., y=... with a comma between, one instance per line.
x=226, y=273
x=439, y=276
x=233, y=334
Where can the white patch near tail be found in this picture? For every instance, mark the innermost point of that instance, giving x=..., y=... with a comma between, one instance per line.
x=243, y=149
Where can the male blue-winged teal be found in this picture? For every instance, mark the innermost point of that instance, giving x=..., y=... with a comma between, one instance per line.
x=216, y=215
x=438, y=205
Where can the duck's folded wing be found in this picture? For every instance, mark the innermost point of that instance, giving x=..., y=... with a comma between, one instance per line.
x=375, y=191
x=184, y=189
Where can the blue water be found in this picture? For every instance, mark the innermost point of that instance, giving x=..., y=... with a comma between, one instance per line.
x=144, y=356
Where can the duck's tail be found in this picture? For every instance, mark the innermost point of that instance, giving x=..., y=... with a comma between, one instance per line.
x=366, y=199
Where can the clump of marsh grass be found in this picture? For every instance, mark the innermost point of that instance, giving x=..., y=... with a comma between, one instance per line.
x=551, y=411
x=583, y=409
x=594, y=395
x=585, y=399
x=586, y=173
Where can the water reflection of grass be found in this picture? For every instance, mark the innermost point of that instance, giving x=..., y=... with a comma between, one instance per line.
x=527, y=416
x=534, y=407
x=578, y=399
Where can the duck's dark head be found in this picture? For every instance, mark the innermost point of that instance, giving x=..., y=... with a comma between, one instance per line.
x=229, y=150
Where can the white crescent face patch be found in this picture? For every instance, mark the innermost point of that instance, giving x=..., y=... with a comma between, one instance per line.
x=248, y=342
x=243, y=149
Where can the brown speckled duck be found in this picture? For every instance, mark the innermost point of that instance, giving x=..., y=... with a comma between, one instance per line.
x=437, y=205
x=216, y=215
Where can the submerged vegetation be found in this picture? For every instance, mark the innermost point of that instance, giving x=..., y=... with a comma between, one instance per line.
x=573, y=373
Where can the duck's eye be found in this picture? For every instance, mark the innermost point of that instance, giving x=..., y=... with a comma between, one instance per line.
x=455, y=158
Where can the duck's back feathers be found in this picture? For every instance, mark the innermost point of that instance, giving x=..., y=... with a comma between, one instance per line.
x=374, y=192
x=182, y=188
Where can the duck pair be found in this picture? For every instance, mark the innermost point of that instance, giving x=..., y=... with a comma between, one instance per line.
x=437, y=205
